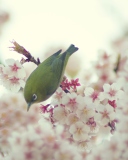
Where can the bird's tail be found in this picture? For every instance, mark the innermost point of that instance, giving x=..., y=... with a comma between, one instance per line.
x=65, y=56
x=68, y=53
x=71, y=49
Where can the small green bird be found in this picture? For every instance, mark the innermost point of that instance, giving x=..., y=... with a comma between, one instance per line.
x=46, y=78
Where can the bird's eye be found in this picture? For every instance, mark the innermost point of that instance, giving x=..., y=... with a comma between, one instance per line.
x=34, y=97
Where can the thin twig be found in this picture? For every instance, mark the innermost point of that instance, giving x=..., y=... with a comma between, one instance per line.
x=21, y=50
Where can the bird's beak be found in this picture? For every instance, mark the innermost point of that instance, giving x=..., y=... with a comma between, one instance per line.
x=29, y=105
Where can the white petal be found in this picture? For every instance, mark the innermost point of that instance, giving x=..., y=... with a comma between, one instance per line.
x=115, y=86
x=106, y=87
x=21, y=73
x=88, y=91
x=15, y=88
x=65, y=99
x=10, y=61
x=80, y=137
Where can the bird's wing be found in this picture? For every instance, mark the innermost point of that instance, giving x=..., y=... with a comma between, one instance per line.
x=54, y=77
x=50, y=59
x=58, y=68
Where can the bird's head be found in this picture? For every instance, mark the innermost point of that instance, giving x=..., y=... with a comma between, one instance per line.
x=31, y=99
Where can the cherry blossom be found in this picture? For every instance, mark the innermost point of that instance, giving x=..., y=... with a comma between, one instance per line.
x=72, y=118
x=85, y=145
x=85, y=111
x=113, y=91
x=57, y=96
x=65, y=84
x=60, y=114
x=94, y=127
x=71, y=101
x=75, y=83
x=92, y=95
x=13, y=75
x=15, y=68
x=46, y=144
x=105, y=114
x=79, y=131
x=13, y=109
x=14, y=84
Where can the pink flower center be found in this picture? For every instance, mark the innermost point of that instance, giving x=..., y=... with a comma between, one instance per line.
x=94, y=96
x=72, y=102
x=58, y=95
x=74, y=83
x=29, y=144
x=104, y=77
x=91, y=120
x=14, y=68
x=112, y=93
x=105, y=114
x=28, y=155
x=14, y=80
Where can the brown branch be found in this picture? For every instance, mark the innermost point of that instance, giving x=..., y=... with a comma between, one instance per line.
x=21, y=50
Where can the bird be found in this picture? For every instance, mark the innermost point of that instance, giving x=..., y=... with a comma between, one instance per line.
x=46, y=78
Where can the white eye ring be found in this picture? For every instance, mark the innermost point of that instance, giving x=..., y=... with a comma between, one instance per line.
x=34, y=97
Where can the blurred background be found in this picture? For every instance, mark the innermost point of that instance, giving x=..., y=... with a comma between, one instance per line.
x=43, y=27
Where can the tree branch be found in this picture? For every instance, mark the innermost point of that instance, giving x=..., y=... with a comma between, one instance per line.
x=21, y=50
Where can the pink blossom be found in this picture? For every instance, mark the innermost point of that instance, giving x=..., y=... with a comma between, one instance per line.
x=85, y=145
x=60, y=114
x=57, y=96
x=65, y=84
x=13, y=117
x=67, y=152
x=13, y=75
x=14, y=84
x=74, y=83
x=94, y=127
x=71, y=101
x=113, y=91
x=47, y=145
x=105, y=114
x=92, y=95
x=79, y=131
x=72, y=118
x=85, y=111
x=15, y=68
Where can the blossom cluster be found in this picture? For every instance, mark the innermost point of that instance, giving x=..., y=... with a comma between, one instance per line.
x=116, y=148
x=13, y=117
x=12, y=75
x=89, y=116
x=42, y=141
